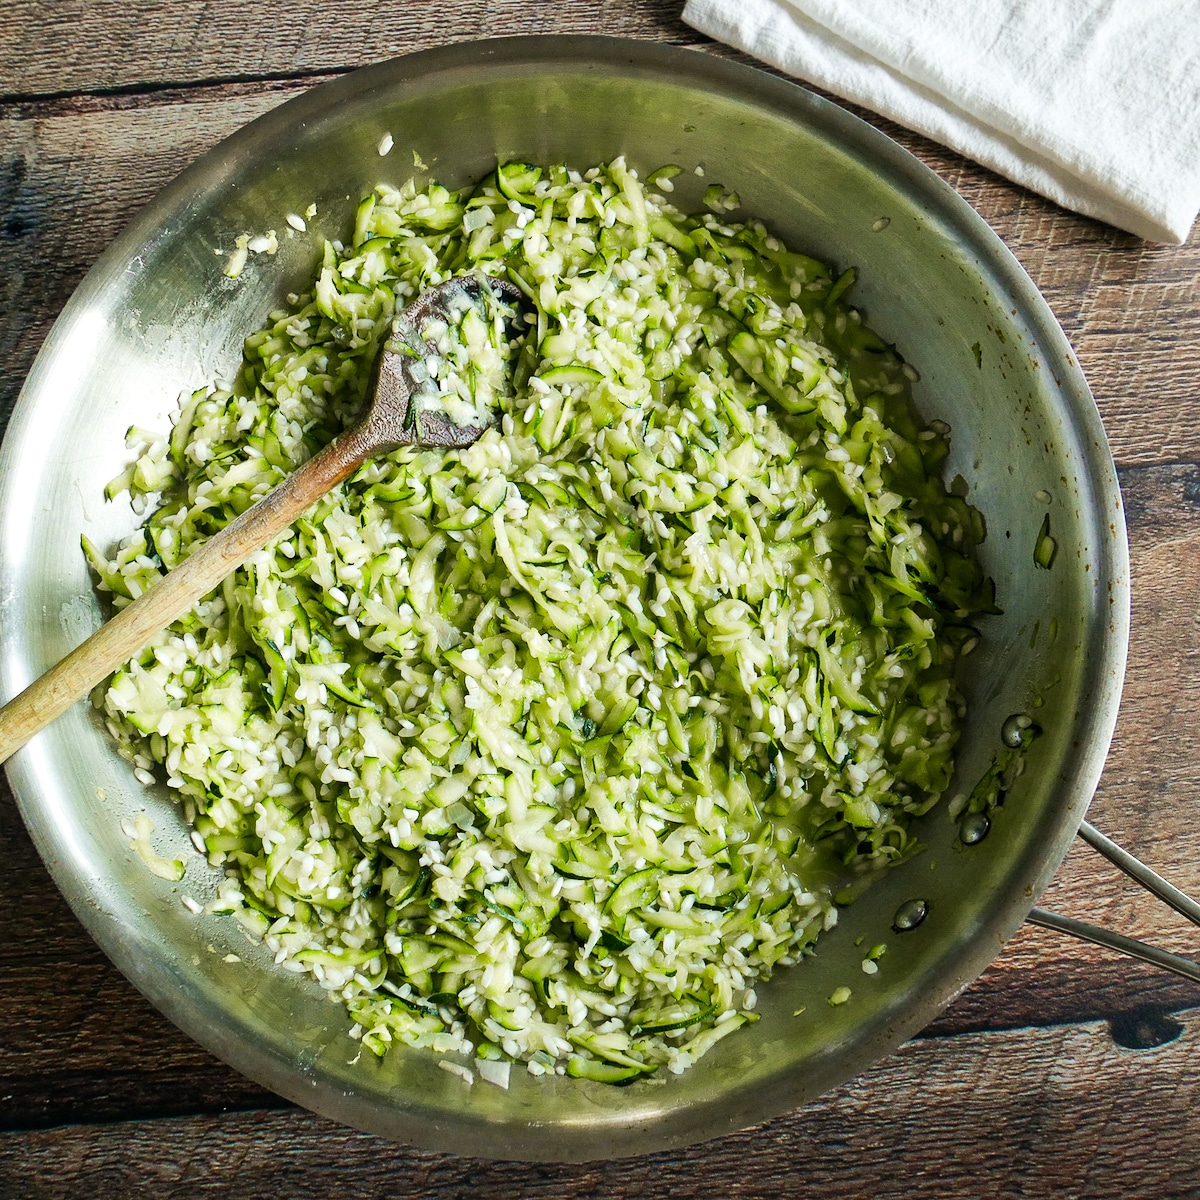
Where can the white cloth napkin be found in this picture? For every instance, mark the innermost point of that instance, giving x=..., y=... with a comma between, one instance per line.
x=1093, y=103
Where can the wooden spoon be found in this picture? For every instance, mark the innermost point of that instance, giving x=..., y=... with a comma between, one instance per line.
x=388, y=423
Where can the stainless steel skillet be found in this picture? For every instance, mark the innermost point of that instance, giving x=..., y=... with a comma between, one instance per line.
x=157, y=317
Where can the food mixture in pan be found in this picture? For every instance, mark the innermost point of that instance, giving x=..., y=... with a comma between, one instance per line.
x=553, y=749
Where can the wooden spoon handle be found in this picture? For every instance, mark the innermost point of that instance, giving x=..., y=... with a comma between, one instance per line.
x=117, y=641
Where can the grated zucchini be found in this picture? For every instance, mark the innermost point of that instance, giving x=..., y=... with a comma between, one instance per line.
x=552, y=748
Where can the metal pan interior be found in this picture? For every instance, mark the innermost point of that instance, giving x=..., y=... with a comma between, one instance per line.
x=156, y=317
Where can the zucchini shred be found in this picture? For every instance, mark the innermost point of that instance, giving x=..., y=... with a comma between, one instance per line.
x=553, y=748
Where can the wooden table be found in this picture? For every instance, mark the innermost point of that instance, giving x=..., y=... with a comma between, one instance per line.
x=1064, y=1071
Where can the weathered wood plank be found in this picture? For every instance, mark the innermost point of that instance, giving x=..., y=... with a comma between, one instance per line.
x=1031, y=1113
x=73, y=46
x=55, y=1098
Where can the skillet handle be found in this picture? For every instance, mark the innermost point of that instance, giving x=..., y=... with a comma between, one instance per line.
x=1152, y=882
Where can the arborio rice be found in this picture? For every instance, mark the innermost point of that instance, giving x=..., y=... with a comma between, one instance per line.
x=553, y=748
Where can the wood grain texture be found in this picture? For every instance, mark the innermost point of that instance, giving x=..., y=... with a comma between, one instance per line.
x=1030, y=1113
x=73, y=46
x=1028, y=1085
